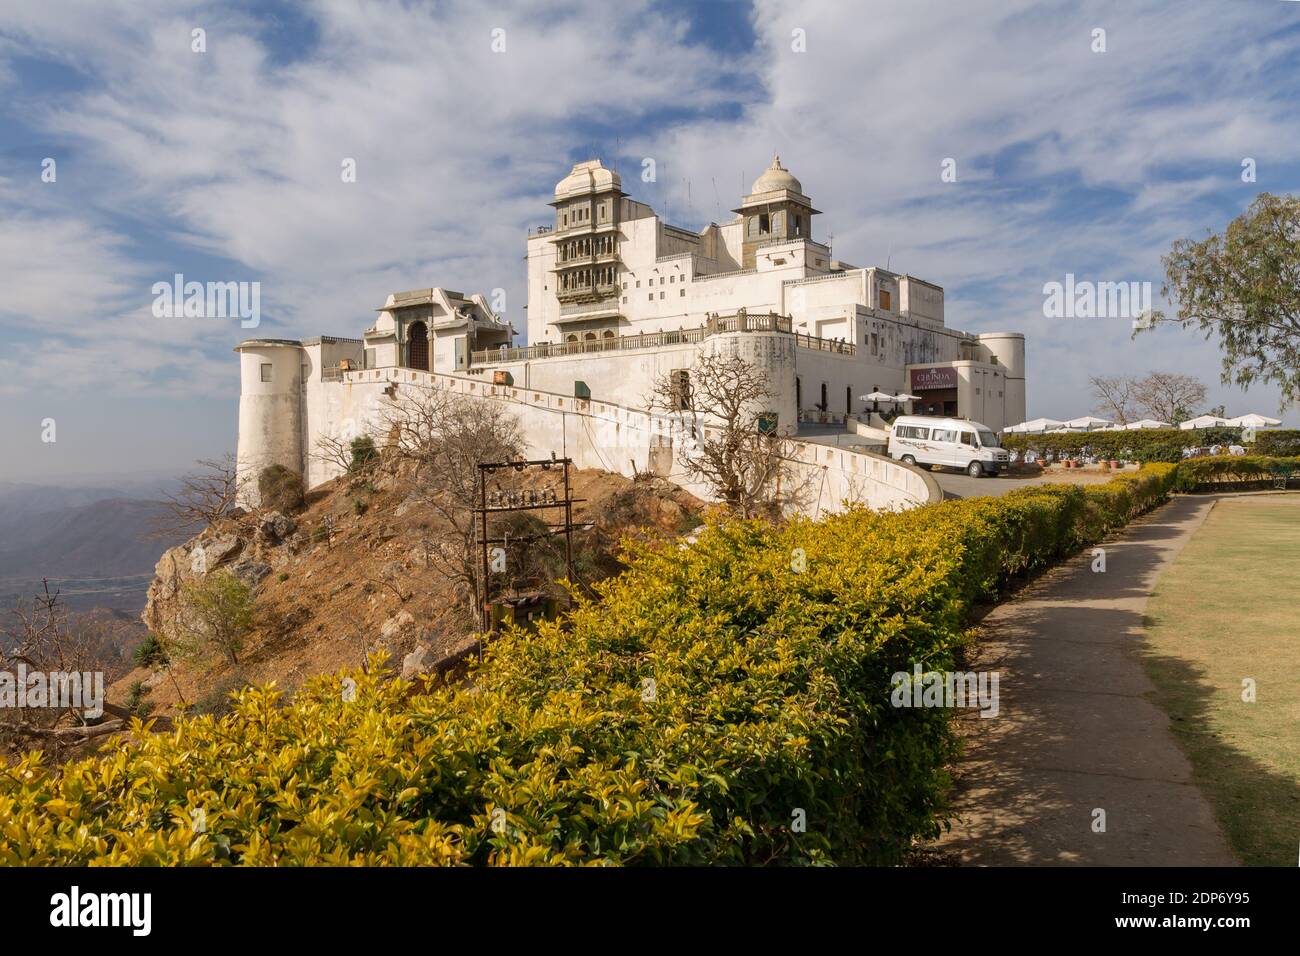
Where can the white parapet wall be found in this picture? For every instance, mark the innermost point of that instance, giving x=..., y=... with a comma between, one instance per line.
x=594, y=433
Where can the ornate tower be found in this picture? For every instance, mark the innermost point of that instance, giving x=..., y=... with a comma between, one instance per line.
x=586, y=237
x=776, y=210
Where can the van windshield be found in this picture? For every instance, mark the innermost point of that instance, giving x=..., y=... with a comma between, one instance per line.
x=988, y=439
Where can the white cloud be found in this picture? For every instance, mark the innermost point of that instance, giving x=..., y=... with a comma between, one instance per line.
x=236, y=153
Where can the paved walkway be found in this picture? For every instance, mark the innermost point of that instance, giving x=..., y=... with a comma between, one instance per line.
x=1077, y=730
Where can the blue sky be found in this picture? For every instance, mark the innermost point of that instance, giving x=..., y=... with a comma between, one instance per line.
x=224, y=166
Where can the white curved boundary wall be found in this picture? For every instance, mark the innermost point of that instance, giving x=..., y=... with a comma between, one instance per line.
x=594, y=433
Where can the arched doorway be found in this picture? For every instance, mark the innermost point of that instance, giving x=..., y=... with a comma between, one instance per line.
x=417, y=349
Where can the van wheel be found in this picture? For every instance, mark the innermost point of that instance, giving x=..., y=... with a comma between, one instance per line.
x=975, y=470
x=909, y=460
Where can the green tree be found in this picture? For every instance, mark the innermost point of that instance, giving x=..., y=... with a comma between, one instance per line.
x=218, y=615
x=1244, y=287
x=364, y=455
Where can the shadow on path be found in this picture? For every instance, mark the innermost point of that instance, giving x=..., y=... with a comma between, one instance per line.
x=1078, y=733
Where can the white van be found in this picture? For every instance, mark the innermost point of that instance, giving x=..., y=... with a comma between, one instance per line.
x=951, y=442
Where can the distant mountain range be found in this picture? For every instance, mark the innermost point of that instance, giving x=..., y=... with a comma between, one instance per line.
x=91, y=541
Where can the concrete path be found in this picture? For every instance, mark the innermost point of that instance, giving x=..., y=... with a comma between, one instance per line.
x=1077, y=730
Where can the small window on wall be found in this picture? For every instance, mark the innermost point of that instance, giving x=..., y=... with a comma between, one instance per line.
x=764, y=223
x=370, y=358
x=266, y=372
x=679, y=389
x=886, y=300
x=681, y=293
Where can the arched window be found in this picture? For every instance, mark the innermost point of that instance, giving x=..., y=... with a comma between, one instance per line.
x=417, y=347
x=607, y=334
x=589, y=337
x=570, y=337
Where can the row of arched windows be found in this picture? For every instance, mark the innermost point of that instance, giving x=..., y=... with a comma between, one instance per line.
x=597, y=245
x=583, y=278
x=589, y=336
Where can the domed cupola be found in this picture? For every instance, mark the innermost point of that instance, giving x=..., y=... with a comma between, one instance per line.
x=774, y=178
x=775, y=211
x=588, y=177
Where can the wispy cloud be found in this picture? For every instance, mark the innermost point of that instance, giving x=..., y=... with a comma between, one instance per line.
x=226, y=164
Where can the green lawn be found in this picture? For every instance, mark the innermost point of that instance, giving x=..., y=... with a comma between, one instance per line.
x=1226, y=610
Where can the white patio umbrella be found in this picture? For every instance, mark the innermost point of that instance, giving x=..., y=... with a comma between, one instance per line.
x=1147, y=423
x=1036, y=425
x=904, y=397
x=1087, y=423
x=1203, y=421
x=876, y=397
x=1253, y=420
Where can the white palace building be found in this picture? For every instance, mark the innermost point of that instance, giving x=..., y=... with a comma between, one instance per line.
x=619, y=299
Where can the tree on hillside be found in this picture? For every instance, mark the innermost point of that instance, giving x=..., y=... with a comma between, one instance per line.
x=349, y=456
x=442, y=437
x=1244, y=287
x=718, y=402
x=217, y=615
x=42, y=636
x=206, y=496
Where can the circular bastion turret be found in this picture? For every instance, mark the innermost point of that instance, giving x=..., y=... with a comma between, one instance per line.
x=270, y=410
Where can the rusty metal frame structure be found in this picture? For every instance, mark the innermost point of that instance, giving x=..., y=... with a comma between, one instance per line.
x=484, y=510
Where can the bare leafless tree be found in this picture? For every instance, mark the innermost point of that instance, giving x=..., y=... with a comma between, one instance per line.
x=718, y=404
x=41, y=635
x=206, y=496
x=334, y=452
x=345, y=456
x=1114, y=397
x=1169, y=396
x=442, y=437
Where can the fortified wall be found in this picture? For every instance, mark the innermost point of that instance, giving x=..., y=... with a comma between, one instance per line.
x=297, y=393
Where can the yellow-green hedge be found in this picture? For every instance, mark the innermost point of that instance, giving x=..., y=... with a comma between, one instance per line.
x=711, y=696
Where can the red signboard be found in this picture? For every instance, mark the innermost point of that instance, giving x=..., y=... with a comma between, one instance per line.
x=929, y=379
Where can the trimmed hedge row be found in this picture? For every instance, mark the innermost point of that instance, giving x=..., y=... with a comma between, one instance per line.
x=714, y=696
x=1144, y=445
x=1194, y=473
x=1277, y=442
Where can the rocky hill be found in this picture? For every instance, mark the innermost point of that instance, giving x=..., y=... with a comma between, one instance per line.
x=356, y=570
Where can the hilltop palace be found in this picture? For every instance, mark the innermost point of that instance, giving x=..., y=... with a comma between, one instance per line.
x=619, y=299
